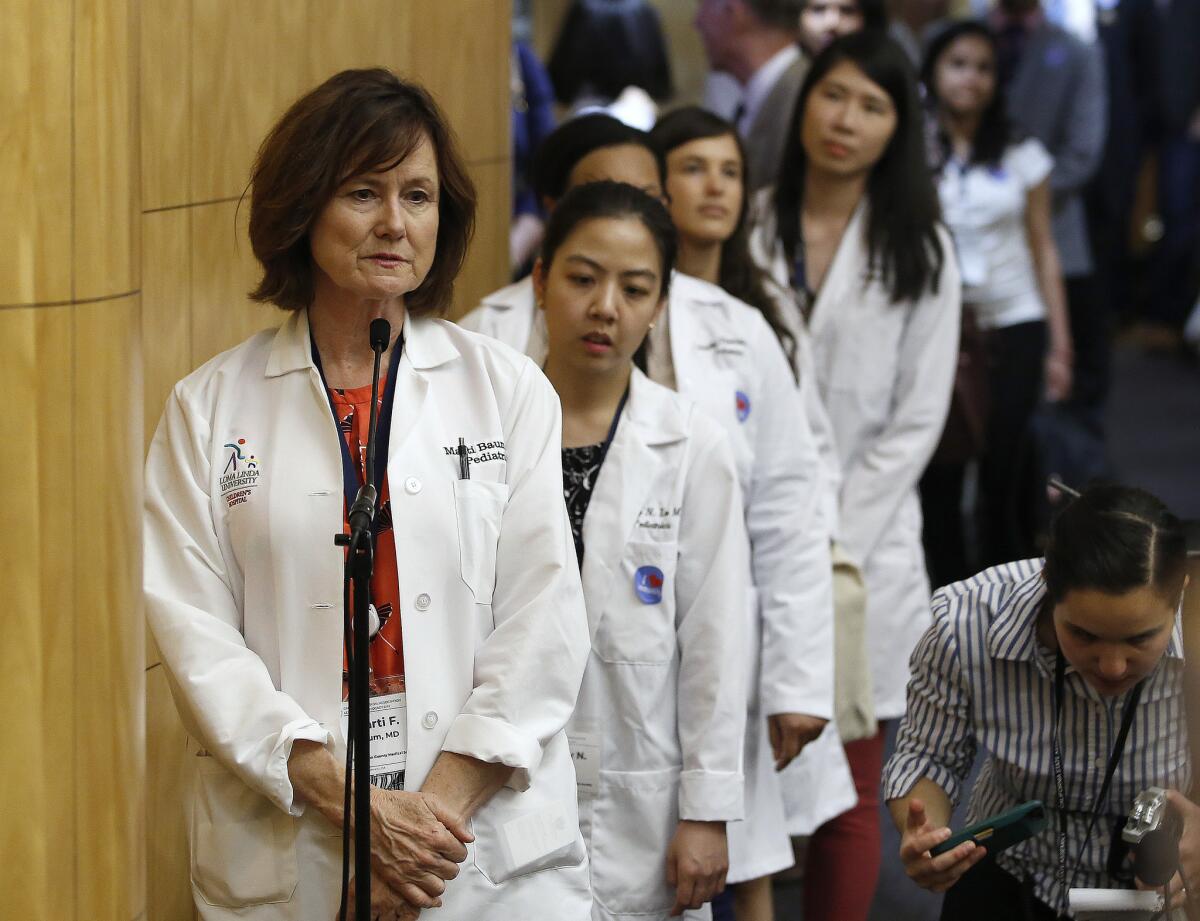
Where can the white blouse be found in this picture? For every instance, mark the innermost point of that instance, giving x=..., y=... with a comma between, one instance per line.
x=984, y=207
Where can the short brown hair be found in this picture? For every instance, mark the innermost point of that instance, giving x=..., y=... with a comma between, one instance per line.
x=354, y=122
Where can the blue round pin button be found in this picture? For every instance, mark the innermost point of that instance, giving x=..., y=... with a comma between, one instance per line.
x=648, y=584
x=743, y=406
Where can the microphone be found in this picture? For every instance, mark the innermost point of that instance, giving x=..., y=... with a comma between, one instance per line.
x=362, y=511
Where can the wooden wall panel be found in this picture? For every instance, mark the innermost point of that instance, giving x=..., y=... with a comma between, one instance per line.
x=357, y=33
x=487, y=262
x=168, y=890
x=166, y=308
x=37, y=633
x=35, y=152
x=462, y=58
x=223, y=271
x=108, y=674
x=248, y=64
x=165, y=104
x=105, y=151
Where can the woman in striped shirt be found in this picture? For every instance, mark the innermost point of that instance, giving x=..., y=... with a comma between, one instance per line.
x=1038, y=661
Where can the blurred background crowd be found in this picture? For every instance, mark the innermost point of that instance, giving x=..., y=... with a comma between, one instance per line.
x=1064, y=140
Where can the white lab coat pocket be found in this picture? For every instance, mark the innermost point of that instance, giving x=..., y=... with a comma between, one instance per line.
x=243, y=847
x=512, y=839
x=638, y=626
x=635, y=817
x=479, y=508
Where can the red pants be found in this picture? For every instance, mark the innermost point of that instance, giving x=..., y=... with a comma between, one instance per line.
x=842, y=863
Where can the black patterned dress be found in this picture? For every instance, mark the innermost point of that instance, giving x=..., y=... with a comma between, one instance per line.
x=580, y=467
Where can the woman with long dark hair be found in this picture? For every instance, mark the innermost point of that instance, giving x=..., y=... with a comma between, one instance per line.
x=995, y=194
x=852, y=230
x=706, y=185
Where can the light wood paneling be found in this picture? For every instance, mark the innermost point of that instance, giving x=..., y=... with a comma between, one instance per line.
x=487, y=262
x=37, y=632
x=105, y=150
x=58, y=495
x=223, y=271
x=462, y=56
x=356, y=33
x=35, y=152
x=166, y=308
x=108, y=676
x=165, y=104
x=248, y=65
x=168, y=891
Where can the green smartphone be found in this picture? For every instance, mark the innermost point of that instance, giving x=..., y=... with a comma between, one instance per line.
x=1000, y=831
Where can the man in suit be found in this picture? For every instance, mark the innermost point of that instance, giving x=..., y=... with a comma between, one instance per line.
x=1055, y=85
x=755, y=42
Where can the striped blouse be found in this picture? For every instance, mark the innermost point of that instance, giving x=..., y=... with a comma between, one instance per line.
x=980, y=677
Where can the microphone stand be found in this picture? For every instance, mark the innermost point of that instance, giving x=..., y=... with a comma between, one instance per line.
x=360, y=563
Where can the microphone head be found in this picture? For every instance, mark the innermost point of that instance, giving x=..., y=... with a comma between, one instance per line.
x=381, y=334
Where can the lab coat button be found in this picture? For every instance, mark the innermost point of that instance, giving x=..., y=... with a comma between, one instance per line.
x=412, y=486
x=429, y=720
x=422, y=602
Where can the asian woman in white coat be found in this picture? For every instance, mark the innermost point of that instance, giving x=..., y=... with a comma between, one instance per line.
x=655, y=509
x=361, y=208
x=706, y=173
x=852, y=230
x=725, y=358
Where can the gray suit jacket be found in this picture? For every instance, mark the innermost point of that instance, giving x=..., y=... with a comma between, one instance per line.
x=767, y=136
x=1058, y=95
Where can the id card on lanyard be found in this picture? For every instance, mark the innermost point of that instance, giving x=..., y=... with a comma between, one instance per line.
x=388, y=712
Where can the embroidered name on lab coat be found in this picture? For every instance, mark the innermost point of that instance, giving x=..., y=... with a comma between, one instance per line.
x=658, y=517
x=481, y=452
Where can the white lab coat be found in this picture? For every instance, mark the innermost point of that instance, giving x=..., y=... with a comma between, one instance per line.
x=885, y=373
x=244, y=595
x=721, y=350
x=661, y=713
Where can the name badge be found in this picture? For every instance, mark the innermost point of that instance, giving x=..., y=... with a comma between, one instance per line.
x=389, y=739
x=585, y=755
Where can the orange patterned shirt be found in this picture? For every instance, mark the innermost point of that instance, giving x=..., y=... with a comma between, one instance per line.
x=353, y=409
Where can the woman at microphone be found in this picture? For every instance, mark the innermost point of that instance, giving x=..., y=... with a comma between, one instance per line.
x=1068, y=670
x=361, y=209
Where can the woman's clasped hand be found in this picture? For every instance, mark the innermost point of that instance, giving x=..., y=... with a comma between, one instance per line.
x=934, y=873
x=416, y=844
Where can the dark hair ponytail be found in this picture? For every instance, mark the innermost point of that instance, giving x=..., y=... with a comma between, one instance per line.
x=613, y=200
x=1115, y=539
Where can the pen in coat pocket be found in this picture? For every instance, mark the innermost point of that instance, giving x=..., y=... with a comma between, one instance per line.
x=464, y=465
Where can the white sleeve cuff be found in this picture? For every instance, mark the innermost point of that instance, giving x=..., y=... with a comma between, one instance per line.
x=711, y=796
x=279, y=783
x=495, y=741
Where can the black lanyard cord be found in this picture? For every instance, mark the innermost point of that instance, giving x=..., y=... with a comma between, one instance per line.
x=1060, y=785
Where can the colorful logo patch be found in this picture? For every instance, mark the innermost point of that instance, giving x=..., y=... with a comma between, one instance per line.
x=743, y=406
x=241, y=474
x=648, y=584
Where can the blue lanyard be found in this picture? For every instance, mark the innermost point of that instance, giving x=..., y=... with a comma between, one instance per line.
x=383, y=433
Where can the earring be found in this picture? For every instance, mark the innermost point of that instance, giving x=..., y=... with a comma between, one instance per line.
x=651, y=326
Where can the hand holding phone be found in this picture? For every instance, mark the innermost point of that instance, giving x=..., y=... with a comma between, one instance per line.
x=936, y=873
x=1001, y=831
